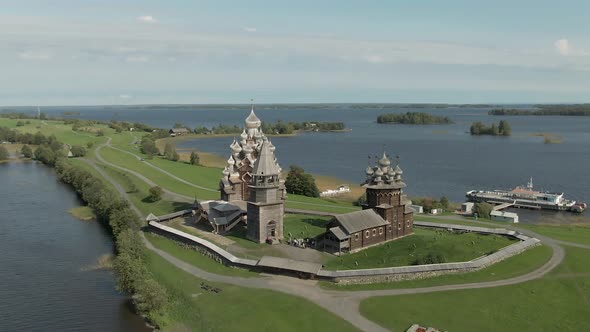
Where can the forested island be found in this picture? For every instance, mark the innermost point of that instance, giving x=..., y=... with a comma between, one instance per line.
x=278, y=128
x=414, y=118
x=501, y=129
x=547, y=110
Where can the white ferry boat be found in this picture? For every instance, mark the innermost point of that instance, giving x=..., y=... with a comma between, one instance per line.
x=527, y=197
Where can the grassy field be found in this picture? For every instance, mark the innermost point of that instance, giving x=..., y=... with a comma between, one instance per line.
x=514, y=266
x=570, y=233
x=63, y=132
x=454, y=247
x=235, y=308
x=302, y=226
x=161, y=179
x=195, y=258
x=560, y=301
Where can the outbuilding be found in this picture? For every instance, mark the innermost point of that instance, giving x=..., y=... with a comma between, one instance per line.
x=419, y=209
x=178, y=131
x=467, y=207
x=504, y=216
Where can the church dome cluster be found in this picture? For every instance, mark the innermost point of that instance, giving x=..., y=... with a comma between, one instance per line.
x=246, y=149
x=383, y=173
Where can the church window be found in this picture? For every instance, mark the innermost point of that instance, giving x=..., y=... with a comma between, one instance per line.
x=374, y=232
x=367, y=233
x=380, y=230
x=389, y=228
x=356, y=236
x=408, y=223
x=399, y=226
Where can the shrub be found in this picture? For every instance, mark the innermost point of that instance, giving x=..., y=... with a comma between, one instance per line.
x=26, y=151
x=78, y=151
x=194, y=159
x=3, y=153
x=155, y=194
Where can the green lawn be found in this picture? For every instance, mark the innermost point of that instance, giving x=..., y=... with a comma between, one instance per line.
x=570, y=233
x=203, y=176
x=514, y=266
x=138, y=190
x=64, y=133
x=235, y=308
x=195, y=258
x=302, y=226
x=560, y=301
x=454, y=247
x=161, y=179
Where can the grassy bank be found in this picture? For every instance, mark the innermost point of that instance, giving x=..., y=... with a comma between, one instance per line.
x=556, y=302
x=452, y=247
x=235, y=308
x=523, y=263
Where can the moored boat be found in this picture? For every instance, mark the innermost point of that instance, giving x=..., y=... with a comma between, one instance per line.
x=527, y=197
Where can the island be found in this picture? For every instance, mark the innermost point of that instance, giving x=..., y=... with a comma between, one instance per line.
x=546, y=110
x=501, y=129
x=414, y=118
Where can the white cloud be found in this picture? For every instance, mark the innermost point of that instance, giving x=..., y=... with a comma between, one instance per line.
x=137, y=58
x=249, y=29
x=147, y=19
x=35, y=56
x=563, y=46
x=125, y=96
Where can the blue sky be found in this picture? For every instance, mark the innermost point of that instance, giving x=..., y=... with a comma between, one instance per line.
x=139, y=52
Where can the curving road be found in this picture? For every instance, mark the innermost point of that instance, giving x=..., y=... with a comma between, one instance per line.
x=344, y=304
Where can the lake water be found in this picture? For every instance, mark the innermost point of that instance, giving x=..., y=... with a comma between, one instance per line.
x=43, y=282
x=436, y=159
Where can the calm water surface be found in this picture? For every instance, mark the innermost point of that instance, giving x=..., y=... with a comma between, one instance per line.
x=43, y=282
x=437, y=160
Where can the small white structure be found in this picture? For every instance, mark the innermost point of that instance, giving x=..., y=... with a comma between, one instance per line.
x=436, y=211
x=467, y=207
x=419, y=209
x=343, y=189
x=504, y=216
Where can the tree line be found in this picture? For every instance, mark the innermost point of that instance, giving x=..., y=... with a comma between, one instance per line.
x=413, y=118
x=278, y=128
x=547, y=110
x=501, y=129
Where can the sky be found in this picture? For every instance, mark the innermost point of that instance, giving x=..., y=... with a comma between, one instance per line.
x=92, y=52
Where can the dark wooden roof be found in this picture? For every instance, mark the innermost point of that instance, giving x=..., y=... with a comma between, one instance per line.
x=357, y=221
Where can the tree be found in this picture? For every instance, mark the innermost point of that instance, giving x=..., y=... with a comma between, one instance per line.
x=170, y=152
x=150, y=297
x=42, y=116
x=482, y=209
x=148, y=146
x=194, y=160
x=155, y=194
x=123, y=219
x=26, y=151
x=90, y=145
x=504, y=128
x=100, y=132
x=3, y=153
x=444, y=202
x=78, y=151
x=300, y=183
x=45, y=155
x=20, y=123
x=130, y=271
